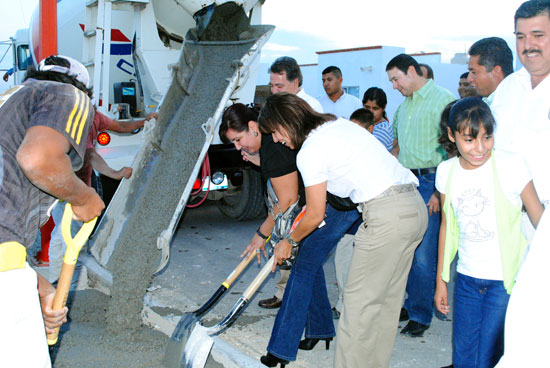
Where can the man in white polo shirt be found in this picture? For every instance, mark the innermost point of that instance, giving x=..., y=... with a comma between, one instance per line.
x=336, y=101
x=522, y=110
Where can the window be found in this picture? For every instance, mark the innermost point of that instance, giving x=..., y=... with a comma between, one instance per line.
x=23, y=57
x=354, y=91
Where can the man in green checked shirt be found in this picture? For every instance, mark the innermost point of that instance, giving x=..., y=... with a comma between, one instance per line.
x=416, y=130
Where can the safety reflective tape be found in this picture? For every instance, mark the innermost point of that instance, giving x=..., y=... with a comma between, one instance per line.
x=78, y=116
x=12, y=256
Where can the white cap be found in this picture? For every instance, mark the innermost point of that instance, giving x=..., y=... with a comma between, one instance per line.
x=76, y=70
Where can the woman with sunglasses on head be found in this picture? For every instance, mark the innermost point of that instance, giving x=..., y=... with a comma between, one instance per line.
x=277, y=163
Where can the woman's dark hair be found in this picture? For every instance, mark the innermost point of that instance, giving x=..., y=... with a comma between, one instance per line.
x=377, y=95
x=236, y=117
x=444, y=141
x=472, y=113
x=285, y=110
x=57, y=77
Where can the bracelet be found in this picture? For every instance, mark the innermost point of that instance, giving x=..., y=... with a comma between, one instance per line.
x=291, y=241
x=261, y=235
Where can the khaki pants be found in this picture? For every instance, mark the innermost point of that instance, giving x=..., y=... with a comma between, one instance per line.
x=281, y=285
x=384, y=248
x=342, y=261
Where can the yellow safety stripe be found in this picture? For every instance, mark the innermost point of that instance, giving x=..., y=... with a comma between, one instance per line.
x=71, y=115
x=12, y=256
x=82, y=122
x=77, y=121
x=78, y=116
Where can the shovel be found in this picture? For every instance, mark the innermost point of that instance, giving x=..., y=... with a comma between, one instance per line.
x=196, y=339
x=69, y=261
x=174, y=351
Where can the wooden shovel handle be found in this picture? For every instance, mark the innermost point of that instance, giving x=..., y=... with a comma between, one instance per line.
x=237, y=271
x=69, y=262
x=257, y=282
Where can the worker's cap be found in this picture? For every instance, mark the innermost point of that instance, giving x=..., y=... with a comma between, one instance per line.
x=65, y=65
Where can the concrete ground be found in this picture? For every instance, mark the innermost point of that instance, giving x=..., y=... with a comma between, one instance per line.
x=204, y=251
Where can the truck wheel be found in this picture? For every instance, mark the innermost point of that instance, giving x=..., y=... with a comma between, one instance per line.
x=248, y=202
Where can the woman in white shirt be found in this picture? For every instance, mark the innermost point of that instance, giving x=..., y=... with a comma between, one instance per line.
x=340, y=157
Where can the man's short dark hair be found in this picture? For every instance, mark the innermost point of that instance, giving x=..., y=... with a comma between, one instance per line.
x=493, y=51
x=532, y=8
x=403, y=62
x=289, y=66
x=429, y=69
x=334, y=70
x=464, y=75
x=363, y=116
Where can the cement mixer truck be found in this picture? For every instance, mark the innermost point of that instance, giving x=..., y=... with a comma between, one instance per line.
x=188, y=60
x=130, y=49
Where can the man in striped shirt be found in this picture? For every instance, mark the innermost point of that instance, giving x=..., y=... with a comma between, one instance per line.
x=416, y=130
x=45, y=123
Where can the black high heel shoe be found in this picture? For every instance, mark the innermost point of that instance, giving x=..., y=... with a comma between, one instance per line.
x=271, y=360
x=309, y=343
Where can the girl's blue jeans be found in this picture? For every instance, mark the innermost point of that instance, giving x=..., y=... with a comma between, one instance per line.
x=478, y=329
x=305, y=302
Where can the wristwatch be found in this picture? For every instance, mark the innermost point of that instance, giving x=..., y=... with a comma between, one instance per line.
x=291, y=241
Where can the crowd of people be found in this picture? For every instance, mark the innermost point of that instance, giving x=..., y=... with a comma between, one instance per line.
x=396, y=201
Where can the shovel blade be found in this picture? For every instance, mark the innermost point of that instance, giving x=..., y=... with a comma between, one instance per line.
x=197, y=348
x=174, y=351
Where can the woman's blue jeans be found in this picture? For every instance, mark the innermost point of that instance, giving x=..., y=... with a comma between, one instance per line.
x=478, y=328
x=305, y=302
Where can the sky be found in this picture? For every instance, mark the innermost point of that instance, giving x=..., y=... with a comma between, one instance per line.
x=307, y=26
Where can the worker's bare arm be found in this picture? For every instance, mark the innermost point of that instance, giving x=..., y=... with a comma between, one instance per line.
x=43, y=157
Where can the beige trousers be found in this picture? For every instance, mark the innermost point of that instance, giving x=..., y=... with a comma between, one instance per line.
x=281, y=285
x=384, y=248
x=342, y=261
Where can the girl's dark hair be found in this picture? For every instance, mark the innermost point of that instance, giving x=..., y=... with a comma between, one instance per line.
x=472, y=113
x=377, y=95
x=448, y=146
x=55, y=76
x=285, y=110
x=236, y=117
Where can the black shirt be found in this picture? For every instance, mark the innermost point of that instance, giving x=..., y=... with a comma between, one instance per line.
x=278, y=160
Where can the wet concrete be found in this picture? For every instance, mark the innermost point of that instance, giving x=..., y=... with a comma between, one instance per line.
x=85, y=342
x=136, y=255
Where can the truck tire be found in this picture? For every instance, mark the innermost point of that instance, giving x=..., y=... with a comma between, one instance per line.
x=248, y=203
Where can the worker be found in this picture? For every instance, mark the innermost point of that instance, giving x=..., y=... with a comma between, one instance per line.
x=45, y=122
x=92, y=160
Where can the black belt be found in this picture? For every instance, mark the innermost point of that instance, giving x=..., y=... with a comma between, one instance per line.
x=420, y=172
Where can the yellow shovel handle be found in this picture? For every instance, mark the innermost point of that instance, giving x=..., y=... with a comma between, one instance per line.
x=69, y=261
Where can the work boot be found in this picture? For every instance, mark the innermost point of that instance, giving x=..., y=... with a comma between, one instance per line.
x=271, y=303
